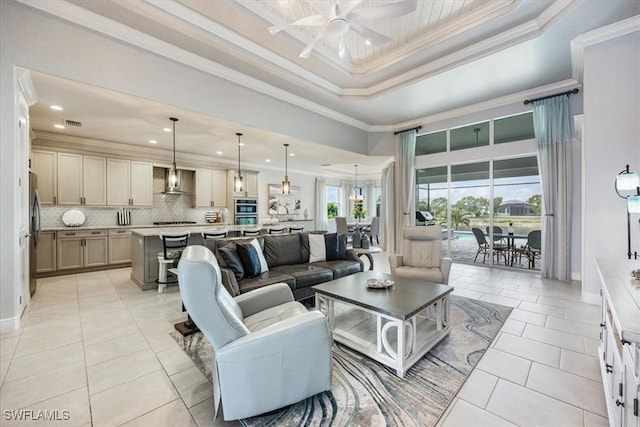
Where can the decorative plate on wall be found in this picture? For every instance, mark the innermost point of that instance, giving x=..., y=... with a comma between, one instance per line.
x=73, y=218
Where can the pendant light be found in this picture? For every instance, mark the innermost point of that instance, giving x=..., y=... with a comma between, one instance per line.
x=237, y=180
x=357, y=192
x=286, y=185
x=173, y=177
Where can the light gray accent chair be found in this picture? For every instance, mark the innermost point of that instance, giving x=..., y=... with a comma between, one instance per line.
x=270, y=351
x=420, y=258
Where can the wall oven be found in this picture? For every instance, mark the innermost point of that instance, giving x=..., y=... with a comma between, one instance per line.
x=246, y=219
x=245, y=206
x=246, y=211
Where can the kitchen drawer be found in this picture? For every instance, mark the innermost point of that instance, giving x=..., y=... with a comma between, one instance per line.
x=81, y=233
x=118, y=232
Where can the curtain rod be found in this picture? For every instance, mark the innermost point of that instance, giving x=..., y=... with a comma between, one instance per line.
x=529, y=101
x=406, y=130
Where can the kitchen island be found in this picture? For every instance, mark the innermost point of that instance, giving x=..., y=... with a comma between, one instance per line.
x=146, y=243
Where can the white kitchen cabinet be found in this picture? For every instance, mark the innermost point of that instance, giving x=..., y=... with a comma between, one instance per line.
x=46, y=252
x=45, y=165
x=81, y=180
x=141, y=183
x=250, y=181
x=119, y=246
x=129, y=183
x=211, y=188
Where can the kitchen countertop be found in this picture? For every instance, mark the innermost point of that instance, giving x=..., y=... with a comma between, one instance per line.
x=122, y=227
x=199, y=228
x=151, y=229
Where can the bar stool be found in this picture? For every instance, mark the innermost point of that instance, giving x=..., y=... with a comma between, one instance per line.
x=172, y=247
x=217, y=235
x=296, y=229
x=276, y=230
x=250, y=232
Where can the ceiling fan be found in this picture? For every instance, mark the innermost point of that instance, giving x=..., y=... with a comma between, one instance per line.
x=340, y=16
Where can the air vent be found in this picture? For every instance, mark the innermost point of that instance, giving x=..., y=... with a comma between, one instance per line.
x=73, y=123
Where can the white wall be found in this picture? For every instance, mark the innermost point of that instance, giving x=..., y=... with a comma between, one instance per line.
x=611, y=140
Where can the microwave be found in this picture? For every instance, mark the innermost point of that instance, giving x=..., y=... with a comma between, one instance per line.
x=245, y=206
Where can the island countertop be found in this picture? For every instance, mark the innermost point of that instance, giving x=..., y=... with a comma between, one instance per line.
x=203, y=228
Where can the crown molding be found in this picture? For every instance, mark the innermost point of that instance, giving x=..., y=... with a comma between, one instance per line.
x=502, y=101
x=115, y=30
x=599, y=35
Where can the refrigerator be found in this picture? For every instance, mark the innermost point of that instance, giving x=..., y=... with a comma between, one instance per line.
x=35, y=210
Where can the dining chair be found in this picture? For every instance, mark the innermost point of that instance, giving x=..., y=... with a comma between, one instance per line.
x=172, y=247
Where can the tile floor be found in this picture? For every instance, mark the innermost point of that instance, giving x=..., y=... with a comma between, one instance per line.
x=96, y=346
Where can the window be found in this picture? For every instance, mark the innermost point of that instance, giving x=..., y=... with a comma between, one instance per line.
x=334, y=195
x=470, y=136
x=430, y=143
x=514, y=128
x=378, y=196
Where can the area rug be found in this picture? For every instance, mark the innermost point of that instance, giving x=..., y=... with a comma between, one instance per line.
x=367, y=393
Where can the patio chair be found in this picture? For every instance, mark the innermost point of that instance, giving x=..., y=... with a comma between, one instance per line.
x=533, y=249
x=485, y=249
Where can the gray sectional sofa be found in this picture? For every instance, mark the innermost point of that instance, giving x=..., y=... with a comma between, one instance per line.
x=287, y=257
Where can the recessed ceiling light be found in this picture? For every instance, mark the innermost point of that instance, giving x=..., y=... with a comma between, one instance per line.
x=153, y=141
x=56, y=107
x=166, y=129
x=241, y=144
x=58, y=126
x=219, y=153
x=267, y=160
x=292, y=154
x=367, y=42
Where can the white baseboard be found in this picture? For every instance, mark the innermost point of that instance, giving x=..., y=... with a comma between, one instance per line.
x=590, y=298
x=9, y=325
x=576, y=275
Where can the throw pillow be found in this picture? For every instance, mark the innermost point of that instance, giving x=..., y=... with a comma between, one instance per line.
x=317, y=248
x=263, y=262
x=331, y=245
x=250, y=260
x=232, y=261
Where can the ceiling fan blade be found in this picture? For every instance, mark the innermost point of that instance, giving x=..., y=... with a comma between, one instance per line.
x=307, y=50
x=310, y=21
x=343, y=52
x=391, y=10
x=373, y=36
x=346, y=7
x=321, y=6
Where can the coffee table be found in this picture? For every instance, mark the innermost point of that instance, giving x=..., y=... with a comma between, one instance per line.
x=362, y=318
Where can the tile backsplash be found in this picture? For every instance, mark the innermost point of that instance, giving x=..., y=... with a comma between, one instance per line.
x=165, y=207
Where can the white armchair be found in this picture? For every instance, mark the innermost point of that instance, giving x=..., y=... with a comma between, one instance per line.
x=270, y=351
x=421, y=256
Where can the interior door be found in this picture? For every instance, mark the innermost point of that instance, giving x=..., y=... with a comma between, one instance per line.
x=24, y=241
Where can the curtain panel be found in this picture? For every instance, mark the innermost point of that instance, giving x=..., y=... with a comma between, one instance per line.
x=405, y=184
x=370, y=198
x=387, y=210
x=320, y=213
x=553, y=128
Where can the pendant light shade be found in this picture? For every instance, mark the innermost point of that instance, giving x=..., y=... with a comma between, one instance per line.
x=173, y=184
x=238, y=185
x=357, y=191
x=286, y=185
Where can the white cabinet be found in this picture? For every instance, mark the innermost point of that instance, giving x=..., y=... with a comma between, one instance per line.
x=619, y=348
x=250, y=183
x=81, y=180
x=45, y=165
x=211, y=188
x=129, y=183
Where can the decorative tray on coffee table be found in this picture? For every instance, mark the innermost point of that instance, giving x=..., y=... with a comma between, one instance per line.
x=379, y=283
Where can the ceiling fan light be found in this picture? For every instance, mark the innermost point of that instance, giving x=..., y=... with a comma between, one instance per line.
x=338, y=26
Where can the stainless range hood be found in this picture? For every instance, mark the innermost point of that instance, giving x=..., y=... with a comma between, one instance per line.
x=173, y=185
